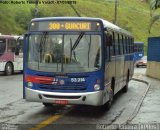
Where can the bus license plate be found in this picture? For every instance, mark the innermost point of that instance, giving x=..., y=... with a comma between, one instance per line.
x=64, y=102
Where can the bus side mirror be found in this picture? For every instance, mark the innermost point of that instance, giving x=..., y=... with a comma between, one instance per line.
x=108, y=39
x=26, y=35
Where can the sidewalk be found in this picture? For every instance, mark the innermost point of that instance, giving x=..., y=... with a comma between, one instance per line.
x=150, y=110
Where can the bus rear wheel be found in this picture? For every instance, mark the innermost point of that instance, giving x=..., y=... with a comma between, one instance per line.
x=8, y=69
x=125, y=89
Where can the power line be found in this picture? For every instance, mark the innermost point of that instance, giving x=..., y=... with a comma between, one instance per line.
x=115, y=11
x=78, y=14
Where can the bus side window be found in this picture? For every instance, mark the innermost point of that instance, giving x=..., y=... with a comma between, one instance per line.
x=132, y=45
x=113, y=44
x=129, y=45
x=120, y=48
x=2, y=46
x=116, y=44
x=107, y=53
x=121, y=43
x=119, y=52
x=21, y=46
x=126, y=46
x=140, y=49
x=135, y=48
x=109, y=50
x=11, y=45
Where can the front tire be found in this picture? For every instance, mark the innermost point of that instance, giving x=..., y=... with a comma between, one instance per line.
x=108, y=105
x=8, y=69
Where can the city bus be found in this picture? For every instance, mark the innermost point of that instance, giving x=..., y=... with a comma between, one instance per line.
x=11, y=61
x=138, y=50
x=70, y=60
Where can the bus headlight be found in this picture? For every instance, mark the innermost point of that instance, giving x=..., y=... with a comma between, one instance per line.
x=96, y=87
x=30, y=84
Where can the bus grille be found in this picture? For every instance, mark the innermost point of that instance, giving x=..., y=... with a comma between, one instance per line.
x=64, y=87
x=61, y=97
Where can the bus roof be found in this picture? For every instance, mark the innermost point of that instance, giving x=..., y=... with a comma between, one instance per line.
x=114, y=27
x=106, y=24
x=9, y=36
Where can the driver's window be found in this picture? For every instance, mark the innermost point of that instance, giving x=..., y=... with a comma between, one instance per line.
x=11, y=45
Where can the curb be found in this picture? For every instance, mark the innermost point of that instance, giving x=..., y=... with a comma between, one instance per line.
x=141, y=101
x=135, y=112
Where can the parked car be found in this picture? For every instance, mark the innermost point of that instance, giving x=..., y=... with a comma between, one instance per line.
x=141, y=62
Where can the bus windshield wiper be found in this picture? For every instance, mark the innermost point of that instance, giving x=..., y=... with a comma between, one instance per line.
x=71, y=50
x=76, y=44
x=77, y=41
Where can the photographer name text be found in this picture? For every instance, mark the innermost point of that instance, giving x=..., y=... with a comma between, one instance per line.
x=39, y=2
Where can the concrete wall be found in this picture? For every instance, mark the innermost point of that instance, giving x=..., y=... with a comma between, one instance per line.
x=153, y=69
x=153, y=64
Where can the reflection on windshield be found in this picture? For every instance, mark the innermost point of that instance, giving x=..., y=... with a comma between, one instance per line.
x=64, y=53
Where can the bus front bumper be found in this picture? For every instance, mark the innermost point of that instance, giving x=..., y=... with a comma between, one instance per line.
x=86, y=98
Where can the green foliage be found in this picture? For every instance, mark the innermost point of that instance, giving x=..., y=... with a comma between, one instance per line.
x=154, y=5
x=133, y=15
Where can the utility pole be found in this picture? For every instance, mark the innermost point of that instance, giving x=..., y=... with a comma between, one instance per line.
x=36, y=8
x=115, y=12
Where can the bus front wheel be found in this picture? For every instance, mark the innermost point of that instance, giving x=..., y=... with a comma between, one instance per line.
x=108, y=104
x=8, y=69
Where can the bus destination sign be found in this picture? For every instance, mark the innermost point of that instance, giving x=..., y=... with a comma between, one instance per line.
x=70, y=26
x=65, y=26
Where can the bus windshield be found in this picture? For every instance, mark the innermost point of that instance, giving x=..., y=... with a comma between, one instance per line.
x=67, y=53
x=2, y=46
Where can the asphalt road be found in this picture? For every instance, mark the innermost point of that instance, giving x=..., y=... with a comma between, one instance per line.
x=17, y=113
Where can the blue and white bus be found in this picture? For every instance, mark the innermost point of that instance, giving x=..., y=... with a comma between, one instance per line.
x=70, y=60
x=138, y=50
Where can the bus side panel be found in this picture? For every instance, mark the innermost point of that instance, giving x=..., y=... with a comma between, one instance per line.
x=2, y=66
x=109, y=74
x=129, y=66
x=18, y=62
x=119, y=72
x=126, y=66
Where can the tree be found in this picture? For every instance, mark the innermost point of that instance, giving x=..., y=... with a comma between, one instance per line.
x=154, y=5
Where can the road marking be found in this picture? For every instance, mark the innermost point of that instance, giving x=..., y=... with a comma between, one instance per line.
x=46, y=122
